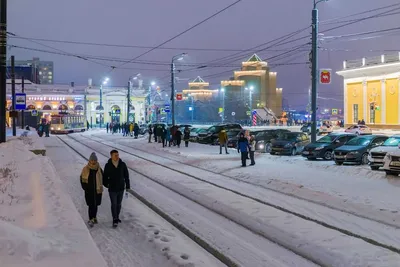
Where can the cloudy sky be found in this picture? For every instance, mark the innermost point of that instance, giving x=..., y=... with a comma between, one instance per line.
x=150, y=22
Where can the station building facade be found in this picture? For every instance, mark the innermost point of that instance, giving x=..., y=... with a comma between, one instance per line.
x=371, y=91
x=52, y=99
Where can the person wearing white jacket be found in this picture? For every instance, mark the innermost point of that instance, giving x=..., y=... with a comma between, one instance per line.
x=252, y=150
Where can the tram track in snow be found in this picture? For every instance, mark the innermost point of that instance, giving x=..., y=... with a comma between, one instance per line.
x=365, y=238
x=388, y=221
x=217, y=250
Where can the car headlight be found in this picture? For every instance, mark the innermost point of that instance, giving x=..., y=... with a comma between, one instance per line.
x=319, y=148
x=58, y=128
x=52, y=128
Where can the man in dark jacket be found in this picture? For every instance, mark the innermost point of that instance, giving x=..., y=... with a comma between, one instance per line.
x=186, y=135
x=116, y=179
x=243, y=146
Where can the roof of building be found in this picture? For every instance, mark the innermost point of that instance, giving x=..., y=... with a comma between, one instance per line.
x=198, y=80
x=254, y=58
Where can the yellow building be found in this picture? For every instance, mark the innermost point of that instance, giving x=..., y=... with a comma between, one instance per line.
x=371, y=91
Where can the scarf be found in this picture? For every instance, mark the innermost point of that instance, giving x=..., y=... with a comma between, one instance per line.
x=99, y=177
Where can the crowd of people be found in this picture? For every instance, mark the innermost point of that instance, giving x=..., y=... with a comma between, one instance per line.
x=169, y=136
x=127, y=129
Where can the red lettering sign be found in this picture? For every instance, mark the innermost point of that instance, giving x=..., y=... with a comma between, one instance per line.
x=179, y=97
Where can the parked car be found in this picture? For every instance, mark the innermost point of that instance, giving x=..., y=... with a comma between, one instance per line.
x=290, y=143
x=391, y=162
x=376, y=155
x=194, y=133
x=211, y=136
x=323, y=148
x=359, y=130
x=233, y=137
x=306, y=128
x=356, y=150
x=325, y=129
x=265, y=137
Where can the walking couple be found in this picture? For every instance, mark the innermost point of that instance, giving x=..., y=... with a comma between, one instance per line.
x=115, y=177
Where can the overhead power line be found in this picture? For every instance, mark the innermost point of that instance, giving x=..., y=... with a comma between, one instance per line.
x=185, y=31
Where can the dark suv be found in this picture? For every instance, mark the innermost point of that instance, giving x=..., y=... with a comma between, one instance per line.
x=264, y=139
x=289, y=143
x=323, y=148
x=211, y=136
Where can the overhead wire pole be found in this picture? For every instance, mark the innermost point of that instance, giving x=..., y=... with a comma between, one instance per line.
x=3, y=68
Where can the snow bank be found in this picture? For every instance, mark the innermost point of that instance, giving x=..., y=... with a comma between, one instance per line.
x=31, y=140
x=39, y=225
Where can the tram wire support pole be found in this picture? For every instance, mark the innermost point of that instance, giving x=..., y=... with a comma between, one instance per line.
x=3, y=69
x=22, y=111
x=14, y=119
x=129, y=101
x=314, y=70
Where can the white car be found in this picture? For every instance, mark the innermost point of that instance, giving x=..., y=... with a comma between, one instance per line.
x=359, y=130
x=391, y=162
x=325, y=129
x=376, y=155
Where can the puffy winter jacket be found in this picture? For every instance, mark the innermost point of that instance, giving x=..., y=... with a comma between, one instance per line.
x=243, y=144
x=116, y=179
x=222, y=137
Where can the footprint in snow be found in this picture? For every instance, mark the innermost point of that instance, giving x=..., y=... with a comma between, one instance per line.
x=164, y=239
x=185, y=256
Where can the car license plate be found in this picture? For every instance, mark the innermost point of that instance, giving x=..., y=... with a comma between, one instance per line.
x=339, y=157
x=306, y=153
x=395, y=163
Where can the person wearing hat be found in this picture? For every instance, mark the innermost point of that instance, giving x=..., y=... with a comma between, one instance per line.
x=92, y=183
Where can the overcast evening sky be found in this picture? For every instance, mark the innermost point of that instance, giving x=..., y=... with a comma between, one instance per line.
x=150, y=22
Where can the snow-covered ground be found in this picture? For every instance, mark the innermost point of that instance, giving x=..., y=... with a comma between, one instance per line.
x=143, y=239
x=39, y=224
x=244, y=212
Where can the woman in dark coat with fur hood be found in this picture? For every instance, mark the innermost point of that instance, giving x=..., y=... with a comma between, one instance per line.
x=92, y=182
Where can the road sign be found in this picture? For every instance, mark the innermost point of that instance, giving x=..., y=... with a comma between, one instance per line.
x=34, y=112
x=179, y=97
x=334, y=111
x=233, y=113
x=20, y=101
x=325, y=76
x=220, y=110
x=167, y=108
x=162, y=111
x=254, y=112
x=248, y=113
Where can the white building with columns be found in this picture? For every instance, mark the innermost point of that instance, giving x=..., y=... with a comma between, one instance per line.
x=51, y=99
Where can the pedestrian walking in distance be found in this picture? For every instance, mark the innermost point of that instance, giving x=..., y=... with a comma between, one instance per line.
x=92, y=183
x=116, y=179
x=150, y=133
x=178, y=137
x=186, y=136
x=243, y=146
x=252, y=149
x=223, y=141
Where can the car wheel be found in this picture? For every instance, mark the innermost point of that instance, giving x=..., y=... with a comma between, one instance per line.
x=294, y=152
x=364, y=159
x=267, y=148
x=339, y=163
x=328, y=155
x=374, y=168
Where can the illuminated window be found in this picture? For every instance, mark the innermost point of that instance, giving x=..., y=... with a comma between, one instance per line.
x=40, y=73
x=355, y=113
x=50, y=73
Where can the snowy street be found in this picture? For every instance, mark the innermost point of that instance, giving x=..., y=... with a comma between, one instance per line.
x=310, y=219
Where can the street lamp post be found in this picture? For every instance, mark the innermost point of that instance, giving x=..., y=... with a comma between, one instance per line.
x=223, y=104
x=129, y=95
x=192, y=107
x=177, y=57
x=314, y=70
x=149, y=101
x=3, y=68
x=250, y=89
x=105, y=81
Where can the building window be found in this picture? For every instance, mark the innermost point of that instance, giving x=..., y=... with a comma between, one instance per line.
x=355, y=113
x=372, y=113
x=50, y=73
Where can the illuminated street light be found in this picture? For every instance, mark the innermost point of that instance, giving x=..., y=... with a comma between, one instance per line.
x=178, y=57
